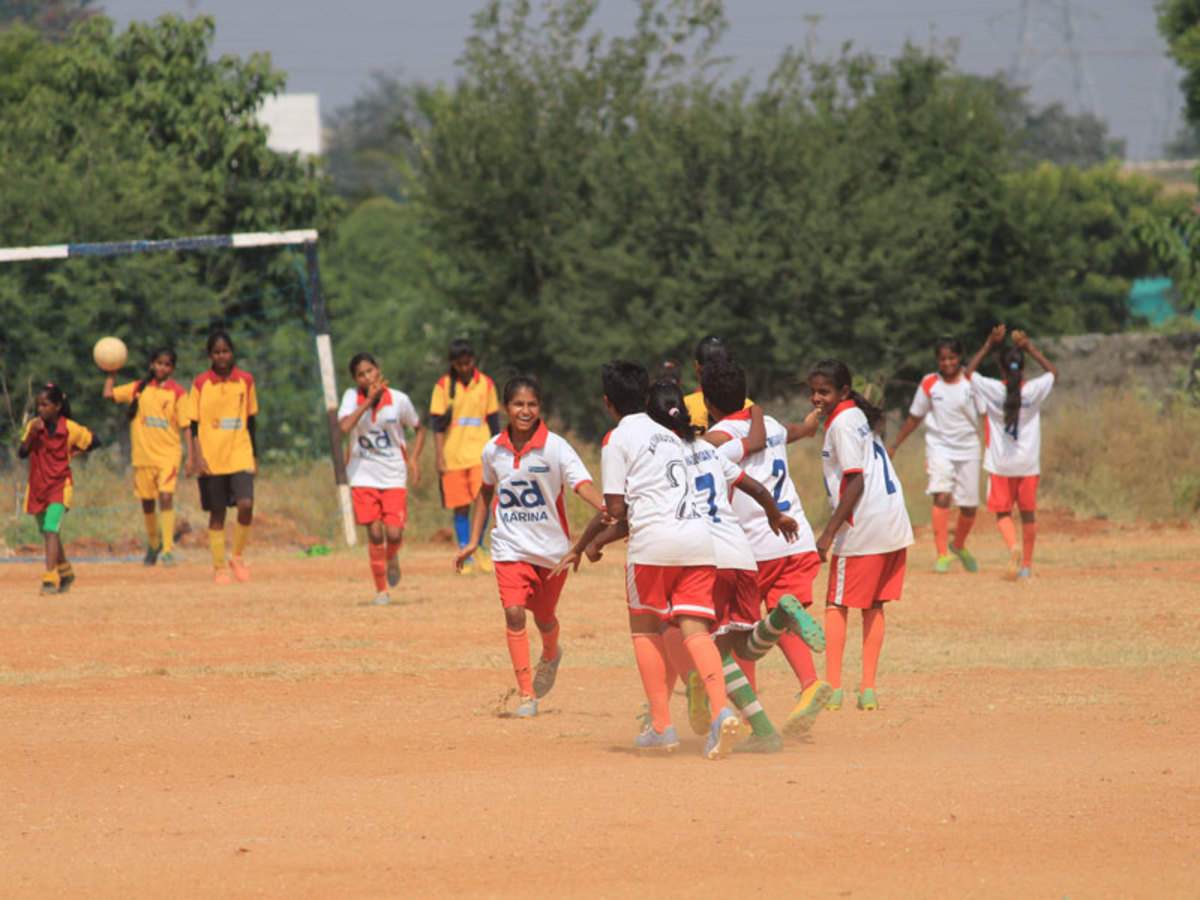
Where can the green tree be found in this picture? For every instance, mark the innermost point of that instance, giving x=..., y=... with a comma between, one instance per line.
x=51, y=18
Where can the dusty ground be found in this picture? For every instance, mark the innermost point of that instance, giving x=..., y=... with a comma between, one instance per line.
x=286, y=739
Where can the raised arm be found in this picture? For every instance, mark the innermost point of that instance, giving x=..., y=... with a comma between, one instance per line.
x=1021, y=339
x=107, y=391
x=798, y=431
x=994, y=339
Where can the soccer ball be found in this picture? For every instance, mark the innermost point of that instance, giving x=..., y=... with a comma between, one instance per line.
x=109, y=353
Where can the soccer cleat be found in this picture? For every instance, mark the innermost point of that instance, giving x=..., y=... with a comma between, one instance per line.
x=527, y=708
x=547, y=672
x=771, y=743
x=867, y=699
x=721, y=734
x=167, y=559
x=484, y=559
x=50, y=587
x=222, y=576
x=699, y=712
x=942, y=566
x=1014, y=563
x=834, y=703
x=393, y=570
x=382, y=598
x=803, y=625
x=468, y=567
x=240, y=572
x=811, y=701
x=968, y=559
x=65, y=582
x=650, y=739
x=151, y=556
x=1024, y=572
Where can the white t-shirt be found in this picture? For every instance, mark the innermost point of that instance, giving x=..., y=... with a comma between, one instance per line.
x=879, y=522
x=377, y=447
x=948, y=408
x=1013, y=452
x=769, y=467
x=647, y=464
x=717, y=472
x=530, y=512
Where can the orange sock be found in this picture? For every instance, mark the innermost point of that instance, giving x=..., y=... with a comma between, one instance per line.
x=393, y=548
x=1028, y=538
x=377, y=555
x=651, y=659
x=550, y=642
x=1008, y=530
x=748, y=667
x=872, y=645
x=962, y=529
x=678, y=661
x=940, y=521
x=706, y=659
x=518, y=649
x=799, y=657
x=835, y=644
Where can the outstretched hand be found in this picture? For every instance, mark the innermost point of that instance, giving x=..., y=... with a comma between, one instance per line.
x=1021, y=339
x=996, y=335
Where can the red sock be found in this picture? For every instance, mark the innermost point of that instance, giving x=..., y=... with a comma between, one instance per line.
x=799, y=657
x=706, y=659
x=518, y=649
x=652, y=666
x=872, y=645
x=377, y=554
x=678, y=661
x=550, y=642
x=1028, y=537
x=748, y=667
x=835, y=644
x=941, y=530
x=393, y=548
x=962, y=529
x=1008, y=530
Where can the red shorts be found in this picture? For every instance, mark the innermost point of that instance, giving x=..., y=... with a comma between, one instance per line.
x=669, y=591
x=527, y=585
x=735, y=600
x=389, y=505
x=788, y=575
x=861, y=582
x=1004, y=491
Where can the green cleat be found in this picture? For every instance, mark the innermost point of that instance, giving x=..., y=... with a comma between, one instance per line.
x=942, y=566
x=834, y=703
x=867, y=699
x=965, y=555
x=803, y=625
x=151, y=556
x=167, y=559
x=699, y=712
x=811, y=701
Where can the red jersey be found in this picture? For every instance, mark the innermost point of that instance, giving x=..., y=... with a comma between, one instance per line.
x=50, y=454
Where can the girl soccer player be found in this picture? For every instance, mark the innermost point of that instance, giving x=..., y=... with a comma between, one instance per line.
x=51, y=438
x=945, y=402
x=869, y=530
x=465, y=414
x=221, y=407
x=525, y=467
x=157, y=412
x=379, y=465
x=1013, y=412
x=671, y=571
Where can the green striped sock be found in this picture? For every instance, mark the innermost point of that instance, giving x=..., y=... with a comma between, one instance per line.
x=737, y=687
x=766, y=634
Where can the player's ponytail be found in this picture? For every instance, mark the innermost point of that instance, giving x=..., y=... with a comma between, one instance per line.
x=838, y=374
x=137, y=390
x=664, y=404
x=1012, y=361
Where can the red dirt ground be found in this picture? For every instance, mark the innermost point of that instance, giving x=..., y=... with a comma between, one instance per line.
x=285, y=738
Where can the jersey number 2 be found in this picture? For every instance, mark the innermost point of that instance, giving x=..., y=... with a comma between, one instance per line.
x=779, y=473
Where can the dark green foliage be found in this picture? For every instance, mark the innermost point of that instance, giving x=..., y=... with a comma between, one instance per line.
x=52, y=19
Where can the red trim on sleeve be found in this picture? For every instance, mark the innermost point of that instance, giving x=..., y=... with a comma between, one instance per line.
x=581, y=484
x=928, y=382
x=604, y=443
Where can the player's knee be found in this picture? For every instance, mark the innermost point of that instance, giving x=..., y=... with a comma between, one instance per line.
x=514, y=617
x=395, y=535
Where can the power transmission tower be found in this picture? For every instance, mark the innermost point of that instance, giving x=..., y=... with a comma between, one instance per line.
x=1046, y=32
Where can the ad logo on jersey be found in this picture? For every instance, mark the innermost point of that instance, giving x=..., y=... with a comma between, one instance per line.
x=539, y=469
x=522, y=501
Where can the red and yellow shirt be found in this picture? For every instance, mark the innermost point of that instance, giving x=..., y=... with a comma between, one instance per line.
x=50, y=454
x=221, y=408
x=154, y=431
x=467, y=432
x=698, y=411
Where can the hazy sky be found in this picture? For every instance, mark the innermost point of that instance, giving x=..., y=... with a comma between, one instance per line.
x=331, y=47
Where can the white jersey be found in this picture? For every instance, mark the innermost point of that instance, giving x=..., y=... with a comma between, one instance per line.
x=647, y=464
x=948, y=408
x=879, y=522
x=1013, y=452
x=717, y=472
x=530, y=512
x=769, y=467
x=377, y=447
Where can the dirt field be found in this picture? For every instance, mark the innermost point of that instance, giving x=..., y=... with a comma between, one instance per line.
x=287, y=739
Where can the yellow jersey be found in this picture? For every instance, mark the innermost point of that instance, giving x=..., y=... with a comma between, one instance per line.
x=154, y=430
x=221, y=409
x=467, y=431
x=698, y=412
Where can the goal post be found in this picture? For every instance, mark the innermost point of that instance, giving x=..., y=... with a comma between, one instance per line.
x=306, y=238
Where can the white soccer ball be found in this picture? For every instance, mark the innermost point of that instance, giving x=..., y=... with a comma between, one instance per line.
x=109, y=353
